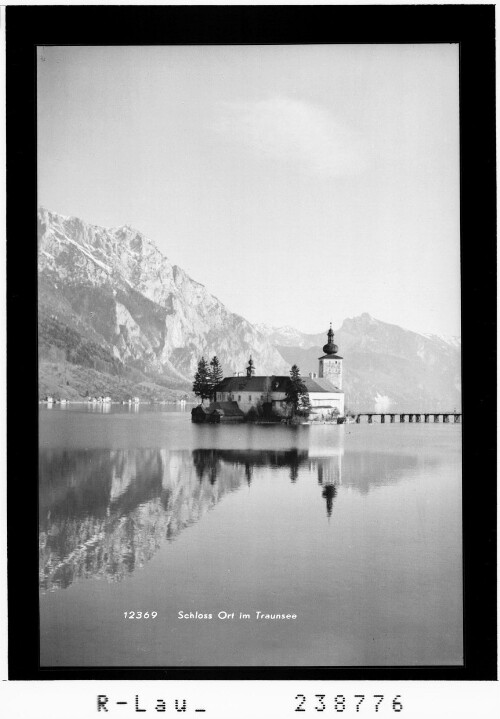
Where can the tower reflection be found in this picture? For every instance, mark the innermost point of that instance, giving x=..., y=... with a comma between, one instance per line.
x=329, y=474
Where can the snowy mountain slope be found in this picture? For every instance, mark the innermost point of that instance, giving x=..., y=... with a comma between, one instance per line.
x=115, y=289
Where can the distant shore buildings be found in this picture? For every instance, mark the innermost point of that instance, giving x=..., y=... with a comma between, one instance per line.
x=265, y=395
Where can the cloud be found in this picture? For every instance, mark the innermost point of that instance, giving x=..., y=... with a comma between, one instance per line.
x=293, y=131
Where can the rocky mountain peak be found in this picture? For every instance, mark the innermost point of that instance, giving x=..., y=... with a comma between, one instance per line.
x=114, y=288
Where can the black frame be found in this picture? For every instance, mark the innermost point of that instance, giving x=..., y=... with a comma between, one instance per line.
x=473, y=27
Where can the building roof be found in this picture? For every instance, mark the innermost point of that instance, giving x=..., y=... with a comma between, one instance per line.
x=320, y=384
x=199, y=409
x=262, y=383
x=246, y=384
x=273, y=383
x=229, y=409
x=330, y=357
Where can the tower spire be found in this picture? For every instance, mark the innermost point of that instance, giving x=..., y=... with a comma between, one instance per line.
x=330, y=348
x=250, y=368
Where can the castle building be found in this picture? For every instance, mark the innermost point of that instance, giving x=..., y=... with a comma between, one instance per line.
x=269, y=392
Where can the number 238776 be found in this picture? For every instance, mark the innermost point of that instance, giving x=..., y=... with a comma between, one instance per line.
x=341, y=703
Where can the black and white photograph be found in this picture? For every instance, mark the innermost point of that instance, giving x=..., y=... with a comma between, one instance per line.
x=245, y=440
x=249, y=356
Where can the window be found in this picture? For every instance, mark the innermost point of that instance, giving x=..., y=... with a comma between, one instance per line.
x=249, y=397
x=239, y=398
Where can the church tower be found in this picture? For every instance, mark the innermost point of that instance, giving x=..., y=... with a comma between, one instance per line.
x=330, y=365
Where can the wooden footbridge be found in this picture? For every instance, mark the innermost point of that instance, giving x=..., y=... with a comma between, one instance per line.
x=411, y=417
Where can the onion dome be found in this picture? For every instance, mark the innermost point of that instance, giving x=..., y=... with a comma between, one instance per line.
x=330, y=348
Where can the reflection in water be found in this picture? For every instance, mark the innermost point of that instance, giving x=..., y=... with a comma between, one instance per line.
x=103, y=513
x=329, y=493
x=99, y=407
x=206, y=463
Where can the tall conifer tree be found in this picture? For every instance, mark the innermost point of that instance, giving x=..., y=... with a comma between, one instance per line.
x=216, y=374
x=297, y=395
x=202, y=386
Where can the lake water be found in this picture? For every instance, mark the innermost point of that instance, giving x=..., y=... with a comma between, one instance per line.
x=355, y=529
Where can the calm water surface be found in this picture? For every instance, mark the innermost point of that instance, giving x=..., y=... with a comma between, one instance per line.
x=355, y=529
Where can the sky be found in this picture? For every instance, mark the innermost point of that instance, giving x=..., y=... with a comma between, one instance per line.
x=300, y=184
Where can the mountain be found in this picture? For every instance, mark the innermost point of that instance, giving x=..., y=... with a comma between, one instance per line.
x=386, y=368
x=290, y=337
x=117, y=317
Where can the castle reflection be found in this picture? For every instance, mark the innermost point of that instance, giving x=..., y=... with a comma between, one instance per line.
x=103, y=513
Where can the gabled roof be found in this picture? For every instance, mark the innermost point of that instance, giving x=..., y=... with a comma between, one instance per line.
x=264, y=383
x=320, y=384
x=245, y=384
x=199, y=409
x=273, y=383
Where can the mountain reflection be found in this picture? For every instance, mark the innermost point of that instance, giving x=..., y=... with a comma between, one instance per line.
x=104, y=513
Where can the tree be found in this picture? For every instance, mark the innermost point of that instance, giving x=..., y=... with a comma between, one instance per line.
x=215, y=374
x=297, y=395
x=202, y=386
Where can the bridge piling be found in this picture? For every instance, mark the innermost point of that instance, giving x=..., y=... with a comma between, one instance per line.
x=412, y=417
